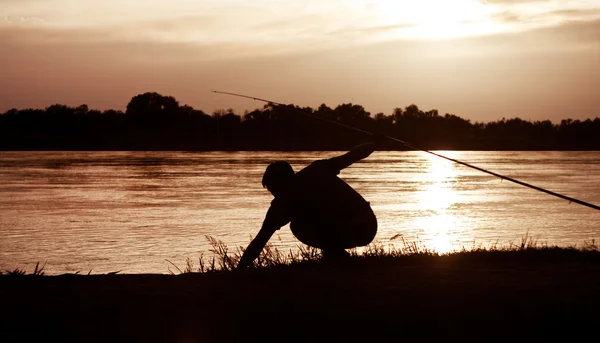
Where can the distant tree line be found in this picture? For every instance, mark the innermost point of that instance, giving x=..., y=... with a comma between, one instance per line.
x=156, y=122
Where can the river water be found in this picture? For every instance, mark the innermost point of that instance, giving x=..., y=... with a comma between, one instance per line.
x=132, y=211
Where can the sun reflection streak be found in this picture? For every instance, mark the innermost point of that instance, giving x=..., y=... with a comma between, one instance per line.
x=439, y=232
x=436, y=196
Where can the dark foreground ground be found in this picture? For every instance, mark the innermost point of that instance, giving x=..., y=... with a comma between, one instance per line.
x=514, y=296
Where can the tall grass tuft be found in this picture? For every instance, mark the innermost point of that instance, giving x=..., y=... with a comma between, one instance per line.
x=223, y=259
x=38, y=271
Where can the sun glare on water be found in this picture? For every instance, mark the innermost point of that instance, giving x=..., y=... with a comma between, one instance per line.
x=436, y=196
x=436, y=19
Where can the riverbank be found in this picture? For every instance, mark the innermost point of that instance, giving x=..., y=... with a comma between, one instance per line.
x=525, y=295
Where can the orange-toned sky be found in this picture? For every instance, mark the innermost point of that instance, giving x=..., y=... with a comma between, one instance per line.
x=482, y=60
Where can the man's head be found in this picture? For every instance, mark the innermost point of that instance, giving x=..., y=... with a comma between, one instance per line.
x=277, y=177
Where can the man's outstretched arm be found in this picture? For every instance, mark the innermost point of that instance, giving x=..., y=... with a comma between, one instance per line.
x=354, y=155
x=255, y=247
x=274, y=220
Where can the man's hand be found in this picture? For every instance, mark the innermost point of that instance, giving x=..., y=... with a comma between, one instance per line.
x=256, y=246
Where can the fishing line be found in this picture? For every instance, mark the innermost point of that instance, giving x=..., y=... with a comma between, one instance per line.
x=411, y=146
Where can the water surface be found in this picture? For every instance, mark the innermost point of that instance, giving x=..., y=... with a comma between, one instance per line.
x=130, y=211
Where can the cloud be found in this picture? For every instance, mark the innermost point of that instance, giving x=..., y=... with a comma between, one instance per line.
x=578, y=14
x=243, y=29
x=581, y=31
x=251, y=27
x=520, y=11
x=261, y=26
x=511, y=1
x=20, y=21
x=386, y=28
x=573, y=14
x=83, y=42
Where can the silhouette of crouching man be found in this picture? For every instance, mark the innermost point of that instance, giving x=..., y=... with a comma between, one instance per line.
x=323, y=210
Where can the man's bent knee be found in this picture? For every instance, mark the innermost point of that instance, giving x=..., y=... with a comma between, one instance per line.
x=361, y=233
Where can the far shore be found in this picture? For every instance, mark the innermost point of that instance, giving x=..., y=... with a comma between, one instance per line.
x=520, y=295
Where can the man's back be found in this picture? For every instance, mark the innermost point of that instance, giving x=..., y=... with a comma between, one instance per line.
x=321, y=198
x=325, y=212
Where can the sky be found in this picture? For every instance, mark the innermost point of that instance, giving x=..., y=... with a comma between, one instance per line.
x=481, y=60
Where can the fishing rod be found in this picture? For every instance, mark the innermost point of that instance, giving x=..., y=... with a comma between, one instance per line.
x=411, y=146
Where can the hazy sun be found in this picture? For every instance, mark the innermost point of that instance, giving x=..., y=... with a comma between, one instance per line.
x=436, y=19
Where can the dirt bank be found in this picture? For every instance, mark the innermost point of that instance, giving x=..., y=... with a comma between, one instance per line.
x=518, y=296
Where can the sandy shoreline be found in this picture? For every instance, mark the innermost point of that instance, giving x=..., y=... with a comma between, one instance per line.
x=475, y=297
